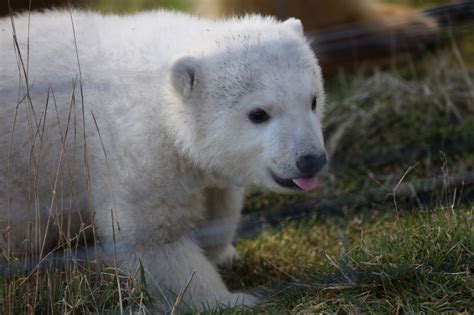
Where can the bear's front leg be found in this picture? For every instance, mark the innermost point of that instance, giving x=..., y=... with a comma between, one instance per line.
x=223, y=207
x=169, y=267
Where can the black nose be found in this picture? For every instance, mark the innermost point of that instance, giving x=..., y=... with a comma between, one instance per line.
x=311, y=164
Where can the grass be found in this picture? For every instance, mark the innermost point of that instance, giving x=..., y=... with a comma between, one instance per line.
x=73, y=288
x=419, y=262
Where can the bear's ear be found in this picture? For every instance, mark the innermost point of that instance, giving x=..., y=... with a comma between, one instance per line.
x=185, y=75
x=295, y=25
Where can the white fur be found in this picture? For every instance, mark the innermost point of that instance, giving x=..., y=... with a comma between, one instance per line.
x=171, y=95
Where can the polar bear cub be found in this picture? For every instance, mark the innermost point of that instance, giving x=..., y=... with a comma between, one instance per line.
x=147, y=126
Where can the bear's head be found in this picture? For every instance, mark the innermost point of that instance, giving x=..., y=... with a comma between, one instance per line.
x=252, y=106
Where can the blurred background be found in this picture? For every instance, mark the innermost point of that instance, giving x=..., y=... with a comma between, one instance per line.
x=399, y=123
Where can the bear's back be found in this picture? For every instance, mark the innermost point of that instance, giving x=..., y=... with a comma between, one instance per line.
x=123, y=43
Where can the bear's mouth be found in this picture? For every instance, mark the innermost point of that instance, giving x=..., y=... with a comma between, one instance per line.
x=305, y=183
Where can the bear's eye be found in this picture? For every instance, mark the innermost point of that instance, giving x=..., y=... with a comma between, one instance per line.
x=313, y=104
x=258, y=116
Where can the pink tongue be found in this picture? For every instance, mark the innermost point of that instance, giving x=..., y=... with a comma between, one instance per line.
x=307, y=184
